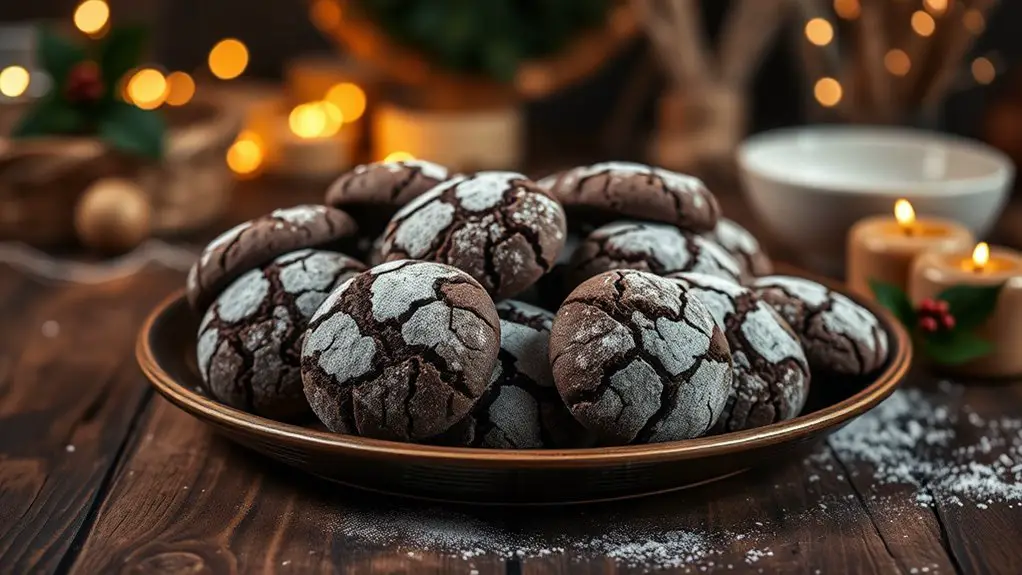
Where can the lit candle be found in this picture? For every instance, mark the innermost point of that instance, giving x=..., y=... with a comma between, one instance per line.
x=935, y=272
x=882, y=248
x=311, y=143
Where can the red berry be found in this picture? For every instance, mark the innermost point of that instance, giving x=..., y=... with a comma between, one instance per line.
x=927, y=305
x=84, y=82
x=928, y=324
x=942, y=306
x=948, y=320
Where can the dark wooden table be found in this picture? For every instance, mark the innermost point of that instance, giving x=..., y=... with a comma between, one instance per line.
x=98, y=475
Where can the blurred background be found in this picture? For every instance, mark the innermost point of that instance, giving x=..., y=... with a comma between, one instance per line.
x=303, y=90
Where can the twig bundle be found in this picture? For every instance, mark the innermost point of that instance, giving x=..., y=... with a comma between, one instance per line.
x=887, y=69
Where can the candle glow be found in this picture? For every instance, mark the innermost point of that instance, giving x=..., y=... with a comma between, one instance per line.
x=398, y=156
x=905, y=215
x=980, y=256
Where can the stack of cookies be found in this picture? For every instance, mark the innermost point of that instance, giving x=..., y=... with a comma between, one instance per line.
x=610, y=304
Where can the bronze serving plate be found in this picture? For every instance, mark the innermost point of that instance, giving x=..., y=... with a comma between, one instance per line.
x=166, y=353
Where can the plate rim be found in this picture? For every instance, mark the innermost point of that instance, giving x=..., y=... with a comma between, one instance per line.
x=211, y=411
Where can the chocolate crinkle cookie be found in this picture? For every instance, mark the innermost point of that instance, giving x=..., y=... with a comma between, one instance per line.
x=838, y=335
x=604, y=192
x=771, y=373
x=520, y=408
x=249, y=340
x=402, y=351
x=373, y=192
x=498, y=227
x=654, y=248
x=638, y=359
x=744, y=247
x=256, y=242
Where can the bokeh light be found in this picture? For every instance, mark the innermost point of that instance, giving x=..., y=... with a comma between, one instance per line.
x=828, y=92
x=398, y=156
x=325, y=14
x=92, y=16
x=974, y=21
x=983, y=70
x=819, y=31
x=315, y=120
x=14, y=81
x=180, y=88
x=147, y=89
x=349, y=99
x=245, y=156
x=897, y=62
x=228, y=59
x=847, y=9
x=936, y=7
x=923, y=24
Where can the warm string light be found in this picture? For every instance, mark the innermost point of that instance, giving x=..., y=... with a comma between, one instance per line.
x=315, y=120
x=147, y=89
x=828, y=92
x=819, y=32
x=349, y=99
x=980, y=256
x=983, y=70
x=935, y=7
x=905, y=215
x=399, y=156
x=14, y=81
x=897, y=62
x=325, y=14
x=91, y=17
x=245, y=156
x=228, y=59
x=974, y=21
x=847, y=9
x=923, y=24
x=180, y=88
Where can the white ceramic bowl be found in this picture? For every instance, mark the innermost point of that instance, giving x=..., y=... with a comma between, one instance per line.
x=810, y=184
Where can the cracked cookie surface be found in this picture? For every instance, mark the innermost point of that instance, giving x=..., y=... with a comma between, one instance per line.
x=744, y=247
x=248, y=348
x=520, y=408
x=837, y=334
x=371, y=193
x=637, y=359
x=402, y=351
x=656, y=248
x=498, y=227
x=255, y=242
x=771, y=373
x=607, y=191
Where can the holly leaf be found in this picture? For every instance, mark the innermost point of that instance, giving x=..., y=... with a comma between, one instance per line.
x=132, y=130
x=120, y=52
x=894, y=299
x=956, y=347
x=58, y=55
x=971, y=305
x=49, y=117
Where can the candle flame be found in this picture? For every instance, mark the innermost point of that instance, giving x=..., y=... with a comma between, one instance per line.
x=980, y=255
x=904, y=213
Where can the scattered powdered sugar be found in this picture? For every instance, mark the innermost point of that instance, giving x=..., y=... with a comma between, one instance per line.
x=485, y=189
x=907, y=439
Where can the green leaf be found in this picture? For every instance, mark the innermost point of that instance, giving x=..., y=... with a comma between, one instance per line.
x=894, y=299
x=956, y=347
x=133, y=130
x=971, y=305
x=120, y=52
x=49, y=117
x=58, y=55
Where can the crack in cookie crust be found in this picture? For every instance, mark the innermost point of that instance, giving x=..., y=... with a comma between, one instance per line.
x=498, y=227
x=638, y=360
x=404, y=369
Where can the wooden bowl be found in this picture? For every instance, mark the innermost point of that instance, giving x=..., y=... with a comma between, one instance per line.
x=166, y=353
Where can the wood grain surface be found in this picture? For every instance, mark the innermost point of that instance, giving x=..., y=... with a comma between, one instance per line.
x=99, y=476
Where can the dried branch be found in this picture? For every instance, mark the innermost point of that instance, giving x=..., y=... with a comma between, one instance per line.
x=749, y=28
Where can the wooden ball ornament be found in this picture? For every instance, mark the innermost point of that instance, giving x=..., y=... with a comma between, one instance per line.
x=112, y=215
